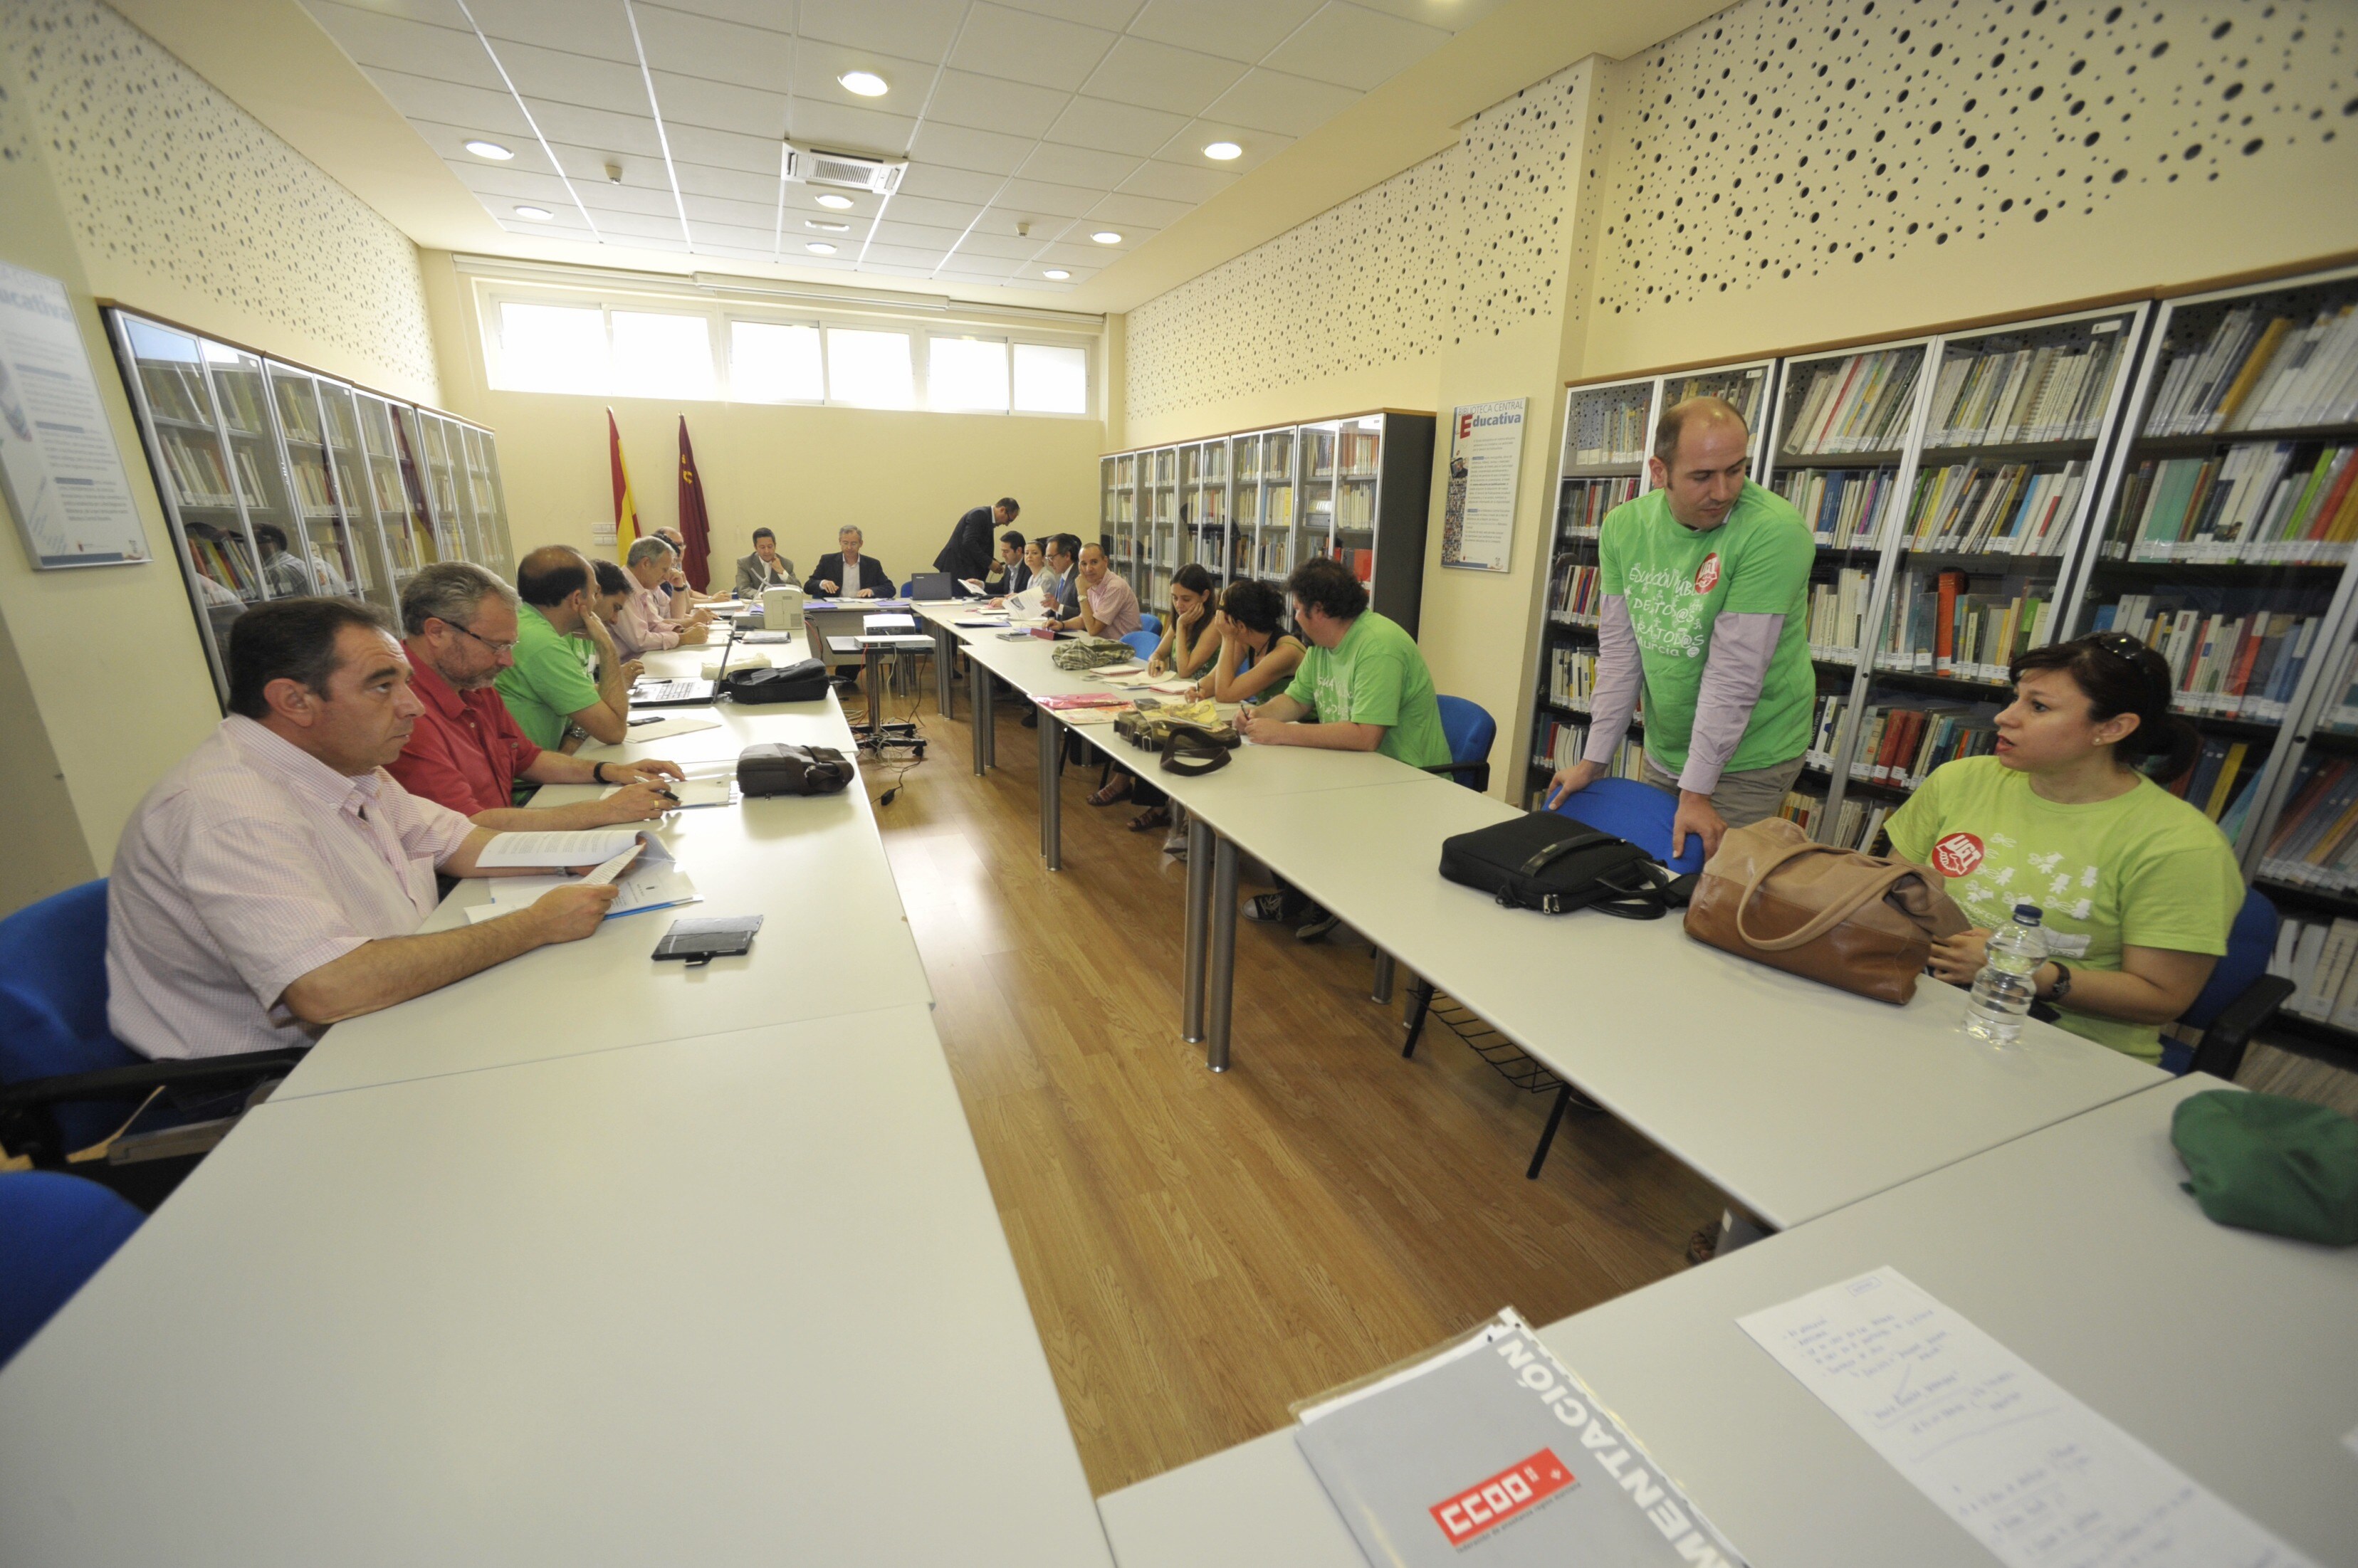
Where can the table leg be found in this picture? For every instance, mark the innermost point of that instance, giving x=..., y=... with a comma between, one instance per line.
x=1737, y=1229
x=944, y=674
x=1221, y=994
x=1199, y=920
x=1382, y=993
x=1052, y=800
x=978, y=701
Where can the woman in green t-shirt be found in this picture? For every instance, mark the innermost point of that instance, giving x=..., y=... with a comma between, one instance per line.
x=2138, y=888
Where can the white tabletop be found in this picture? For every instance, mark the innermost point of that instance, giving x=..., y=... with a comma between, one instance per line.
x=2226, y=1350
x=1791, y=1097
x=734, y=1300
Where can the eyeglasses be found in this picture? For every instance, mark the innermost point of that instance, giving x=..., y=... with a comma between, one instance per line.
x=507, y=647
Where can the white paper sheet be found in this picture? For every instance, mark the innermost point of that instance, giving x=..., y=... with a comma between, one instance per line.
x=2035, y=1475
x=695, y=792
x=584, y=847
x=659, y=885
x=688, y=722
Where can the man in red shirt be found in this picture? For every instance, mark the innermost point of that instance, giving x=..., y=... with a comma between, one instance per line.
x=466, y=751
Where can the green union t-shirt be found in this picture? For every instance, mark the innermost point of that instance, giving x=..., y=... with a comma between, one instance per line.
x=2141, y=870
x=1678, y=582
x=548, y=684
x=1376, y=676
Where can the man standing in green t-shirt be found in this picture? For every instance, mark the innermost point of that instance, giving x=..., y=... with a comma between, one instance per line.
x=548, y=690
x=1706, y=581
x=1362, y=687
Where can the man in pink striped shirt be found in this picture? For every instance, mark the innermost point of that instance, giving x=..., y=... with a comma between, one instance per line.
x=645, y=622
x=273, y=882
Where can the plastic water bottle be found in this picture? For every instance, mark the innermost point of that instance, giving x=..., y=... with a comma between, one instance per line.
x=2009, y=978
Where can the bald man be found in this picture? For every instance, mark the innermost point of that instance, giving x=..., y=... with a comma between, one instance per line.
x=1706, y=586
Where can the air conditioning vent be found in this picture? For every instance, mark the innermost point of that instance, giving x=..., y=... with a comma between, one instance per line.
x=852, y=171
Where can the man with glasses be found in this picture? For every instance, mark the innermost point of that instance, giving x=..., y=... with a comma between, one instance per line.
x=466, y=751
x=1706, y=586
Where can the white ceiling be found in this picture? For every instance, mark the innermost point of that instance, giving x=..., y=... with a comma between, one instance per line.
x=1069, y=116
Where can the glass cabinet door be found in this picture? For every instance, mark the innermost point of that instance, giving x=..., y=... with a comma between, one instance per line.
x=491, y=504
x=1244, y=495
x=408, y=538
x=1359, y=461
x=426, y=470
x=1316, y=500
x=323, y=553
x=273, y=526
x=1273, y=556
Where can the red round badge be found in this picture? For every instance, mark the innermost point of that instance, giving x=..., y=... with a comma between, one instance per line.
x=1957, y=855
x=1707, y=574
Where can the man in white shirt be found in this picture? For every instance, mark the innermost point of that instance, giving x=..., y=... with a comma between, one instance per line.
x=272, y=883
x=646, y=620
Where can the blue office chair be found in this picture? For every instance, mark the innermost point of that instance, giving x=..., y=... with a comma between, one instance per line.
x=1142, y=644
x=909, y=589
x=55, y=1230
x=1151, y=623
x=2239, y=999
x=1470, y=730
x=65, y=1080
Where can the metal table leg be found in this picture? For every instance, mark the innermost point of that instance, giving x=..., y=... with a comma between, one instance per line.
x=1051, y=802
x=945, y=670
x=1199, y=920
x=978, y=700
x=1221, y=994
x=1383, y=988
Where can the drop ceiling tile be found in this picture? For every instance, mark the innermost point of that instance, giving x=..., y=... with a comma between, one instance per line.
x=896, y=270
x=1355, y=48
x=801, y=202
x=1039, y=198
x=603, y=31
x=586, y=166
x=961, y=146
x=450, y=142
x=1265, y=99
x=601, y=197
x=949, y=184
x=734, y=185
x=818, y=65
x=953, y=215
x=1113, y=14
x=1107, y=127
x=563, y=78
x=633, y=226
x=1257, y=147
x=1077, y=165
x=1449, y=16
x=912, y=29
x=900, y=255
x=725, y=149
x=963, y=268
x=480, y=112
x=623, y=134
x=1161, y=76
x=720, y=105
x=434, y=13
x=1124, y=212
x=1070, y=253
x=718, y=51
x=737, y=236
x=372, y=38
x=995, y=236
x=918, y=236
x=720, y=210
x=564, y=225
x=514, y=184
x=843, y=128
x=995, y=103
x=1025, y=47
x=736, y=253
x=1234, y=29
x=798, y=231
x=1175, y=181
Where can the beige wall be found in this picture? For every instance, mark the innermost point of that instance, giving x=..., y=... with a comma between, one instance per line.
x=903, y=477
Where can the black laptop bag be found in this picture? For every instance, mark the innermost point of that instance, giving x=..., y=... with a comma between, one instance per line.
x=804, y=682
x=1552, y=864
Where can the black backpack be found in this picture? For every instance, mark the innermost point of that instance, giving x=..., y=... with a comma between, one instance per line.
x=1552, y=864
x=804, y=682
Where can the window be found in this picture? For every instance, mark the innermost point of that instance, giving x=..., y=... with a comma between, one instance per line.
x=966, y=373
x=770, y=362
x=552, y=347
x=663, y=355
x=870, y=370
x=1051, y=381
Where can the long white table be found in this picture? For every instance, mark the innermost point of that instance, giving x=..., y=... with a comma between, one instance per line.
x=2226, y=1351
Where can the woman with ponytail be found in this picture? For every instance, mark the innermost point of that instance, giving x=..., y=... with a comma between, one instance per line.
x=2138, y=888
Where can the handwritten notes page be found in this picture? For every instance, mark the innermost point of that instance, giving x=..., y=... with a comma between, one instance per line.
x=2034, y=1475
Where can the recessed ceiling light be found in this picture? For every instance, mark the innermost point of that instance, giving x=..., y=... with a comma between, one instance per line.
x=819, y=248
x=538, y=214
x=867, y=83
x=1223, y=151
x=1059, y=274
x=490, y=150
x=824, y=226
x=1106, y=237
x=831, y=200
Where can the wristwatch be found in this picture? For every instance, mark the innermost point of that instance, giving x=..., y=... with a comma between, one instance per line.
x=598, y=772
x=2062, y=980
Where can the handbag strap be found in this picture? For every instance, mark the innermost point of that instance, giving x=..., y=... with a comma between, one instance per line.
x=1191, y=753
x=1826, y=919
x=1559, y=850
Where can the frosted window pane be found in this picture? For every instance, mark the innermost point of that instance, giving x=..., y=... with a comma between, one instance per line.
x=662, y=355
x=870, y=369
x=771, y=362
x=1050, y=380
x=962, y=372
x=552, y=347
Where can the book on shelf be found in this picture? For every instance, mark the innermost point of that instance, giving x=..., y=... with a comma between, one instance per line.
x=1581, y=510
x=2013, y=508
x=1902, y=741
x=2320, y=957
x=1575, y=592
x=1361, y=564
x=1856, y=826
x=1571, y=676
x=2054, y=393
x=2226, y=769
x=240, y=402
x=1940, y=624
x=2243, y=665
x=249, y=479
x=296, y=414
x=1740, y=389
x=1560, y=742
x=2339, y=714
x=2261, y=371
x=197, y=470
x=1838, y=614
x=2264, y=503
x=1859, y=403
x=1844, y=507
x=1358, y=452
x=2315, y=844
x=1608, y=426
x=177, y=392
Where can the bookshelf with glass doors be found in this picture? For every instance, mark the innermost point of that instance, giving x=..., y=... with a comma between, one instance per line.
x=278, y=481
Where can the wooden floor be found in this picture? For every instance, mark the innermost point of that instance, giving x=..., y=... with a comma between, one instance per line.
x=1199, y=1251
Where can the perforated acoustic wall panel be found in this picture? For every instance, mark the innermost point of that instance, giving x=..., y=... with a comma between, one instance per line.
x=1469, y=242
x=185, y=204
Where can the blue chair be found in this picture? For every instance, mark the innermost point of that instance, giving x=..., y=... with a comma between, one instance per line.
x=1151, y=623
x=1142, y=644
x=55, y=1230
x=1639, y=813
x=1470, y=730
x=65, y=1080
x=2237, y=1000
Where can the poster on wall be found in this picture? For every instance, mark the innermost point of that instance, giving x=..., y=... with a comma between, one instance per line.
x=58, y=467
x=1486, y=459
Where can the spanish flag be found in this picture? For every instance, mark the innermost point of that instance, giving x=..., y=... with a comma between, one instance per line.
x=626, y=511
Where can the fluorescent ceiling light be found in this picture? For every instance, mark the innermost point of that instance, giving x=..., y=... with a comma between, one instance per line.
x=491, y=150
x=1106, y=237
x=831, y=200
x=1223, y=151
x=537, y=214
x=1059, y=274
x=867, y=83
x=829, y=228
x=819, y=248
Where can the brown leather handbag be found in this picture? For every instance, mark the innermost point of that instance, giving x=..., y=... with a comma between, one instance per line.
x=1862, y=922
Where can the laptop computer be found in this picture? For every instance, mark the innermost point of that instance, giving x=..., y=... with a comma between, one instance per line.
x=935, y=586
x=683, y=693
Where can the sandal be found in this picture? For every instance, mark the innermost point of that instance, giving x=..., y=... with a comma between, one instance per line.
x=1113, y=794
x=1152, y=818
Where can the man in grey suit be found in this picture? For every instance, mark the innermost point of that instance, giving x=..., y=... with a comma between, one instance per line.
x=765, y=568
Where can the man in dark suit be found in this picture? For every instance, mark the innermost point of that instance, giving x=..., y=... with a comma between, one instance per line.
x=968, y=554
x=847, y=574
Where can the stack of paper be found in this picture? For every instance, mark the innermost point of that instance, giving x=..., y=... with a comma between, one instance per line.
x=635, y=862
x=688, y=722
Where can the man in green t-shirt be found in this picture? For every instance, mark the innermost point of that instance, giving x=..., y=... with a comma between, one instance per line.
x=1705, y=580
x=1362, y=686
x=548, y=689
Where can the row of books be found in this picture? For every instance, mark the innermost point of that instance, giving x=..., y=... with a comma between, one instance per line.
x=1580, y=511
x=1859, y=403
x=177, y=392
x=1940, y=626
x=241, y=398
x=312, y=489
x=2338, y=715
x=1357, y=451
x=298, y=411
x=2054, y=393
x=1571, y=675
x=197, y=469
x=2316, y=841
x=1575, y=593
x=1362, y=563
x=2256, y=372
x=1838, y=614
x=1559, y=744
x=224, y=560
x=1272, y=455
x=2234, y=666
x=1843, y=507
x=1900, y=743
x=1856, y=826
x=2321, y=959
x=2010, y=509
x=2259, y=503
x=1608, y=426
x=2221, y=782
x=1740, y=389
x=1356, y=507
